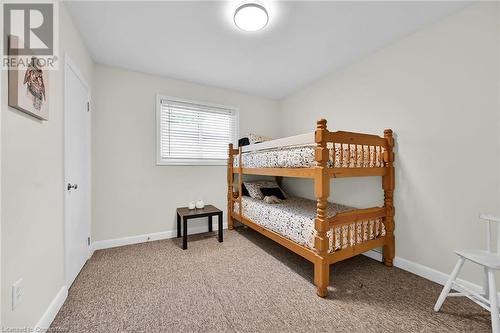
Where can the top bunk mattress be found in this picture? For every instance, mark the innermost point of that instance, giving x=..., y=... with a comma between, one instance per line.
x=354, y=156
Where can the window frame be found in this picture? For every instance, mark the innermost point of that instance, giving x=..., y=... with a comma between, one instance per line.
x=190, y=161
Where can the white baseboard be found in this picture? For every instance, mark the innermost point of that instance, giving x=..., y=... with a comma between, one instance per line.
x=109, y=243
x=374, y=254
x=424, y=271
x=51, y=312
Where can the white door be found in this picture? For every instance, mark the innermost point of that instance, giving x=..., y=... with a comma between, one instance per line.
x=77, y=172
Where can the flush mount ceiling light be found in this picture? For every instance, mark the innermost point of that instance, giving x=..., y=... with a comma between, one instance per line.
x=251, y=17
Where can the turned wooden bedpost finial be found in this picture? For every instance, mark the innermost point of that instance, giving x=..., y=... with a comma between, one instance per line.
x=388, y=183
x=320, y=137
x=230, y=178
x=321, y=124
x=322, y=192
x=388, y=136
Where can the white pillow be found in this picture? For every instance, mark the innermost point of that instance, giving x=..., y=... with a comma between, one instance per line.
x=272, y=200
x=254, y=138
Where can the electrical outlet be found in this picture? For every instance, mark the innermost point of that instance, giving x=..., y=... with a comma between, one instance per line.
x=17, y=293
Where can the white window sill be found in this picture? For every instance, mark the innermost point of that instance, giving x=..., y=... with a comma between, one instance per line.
x=200, y=162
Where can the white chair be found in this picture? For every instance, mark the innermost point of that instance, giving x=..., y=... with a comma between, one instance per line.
x=490, y=261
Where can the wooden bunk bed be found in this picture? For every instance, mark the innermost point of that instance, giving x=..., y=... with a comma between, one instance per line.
x=354, y=155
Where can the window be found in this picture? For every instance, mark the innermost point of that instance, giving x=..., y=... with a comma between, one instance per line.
x=192, y=133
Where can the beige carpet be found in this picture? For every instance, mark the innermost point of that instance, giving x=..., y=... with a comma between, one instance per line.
x=250, y=284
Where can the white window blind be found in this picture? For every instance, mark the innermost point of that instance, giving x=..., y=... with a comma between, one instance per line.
x=194, y=133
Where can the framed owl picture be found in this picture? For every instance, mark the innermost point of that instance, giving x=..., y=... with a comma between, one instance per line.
x=28, y=84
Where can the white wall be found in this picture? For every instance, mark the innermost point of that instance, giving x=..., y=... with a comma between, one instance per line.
x=498, y=46
x=131, y=195
x=32, y=193
x=438, y=89
x=1, y=268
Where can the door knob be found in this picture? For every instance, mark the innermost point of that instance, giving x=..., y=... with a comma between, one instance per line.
x=74, y=186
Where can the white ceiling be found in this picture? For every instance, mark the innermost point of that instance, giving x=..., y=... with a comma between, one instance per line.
x=198, y=42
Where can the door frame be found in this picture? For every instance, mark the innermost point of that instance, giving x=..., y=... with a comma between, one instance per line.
x=70, y=65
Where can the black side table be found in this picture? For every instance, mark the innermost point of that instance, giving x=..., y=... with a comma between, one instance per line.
x=184, y=213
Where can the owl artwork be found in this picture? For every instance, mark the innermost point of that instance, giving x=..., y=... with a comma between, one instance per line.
x=35, y=87
x=28, y=82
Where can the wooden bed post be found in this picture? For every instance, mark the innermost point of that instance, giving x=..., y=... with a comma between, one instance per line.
x=388, y=183
x=230, y=179
x=240, y=182
x=322, y=192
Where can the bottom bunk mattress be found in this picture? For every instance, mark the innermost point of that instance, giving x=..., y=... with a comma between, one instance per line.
x=294, y=217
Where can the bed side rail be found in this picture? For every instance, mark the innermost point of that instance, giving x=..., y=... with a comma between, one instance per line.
x=354, y=150
x=353, y=138
x=356, y=231
x=357, y=215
